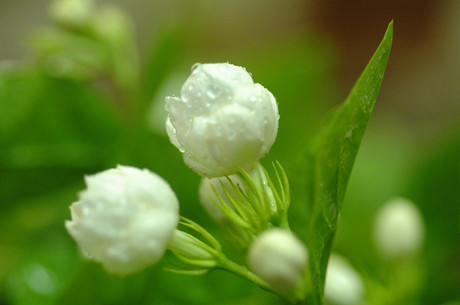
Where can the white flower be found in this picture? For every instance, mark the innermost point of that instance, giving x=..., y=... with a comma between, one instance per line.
x=125, y=218
x=223, y=121
x=399, y=228
x=343, y=284
x=279, y=258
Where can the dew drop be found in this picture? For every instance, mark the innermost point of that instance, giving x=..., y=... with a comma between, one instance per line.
x=195, y=66
x=212, y=92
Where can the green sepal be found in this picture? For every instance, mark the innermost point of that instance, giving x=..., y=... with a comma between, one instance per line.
x=187, y=272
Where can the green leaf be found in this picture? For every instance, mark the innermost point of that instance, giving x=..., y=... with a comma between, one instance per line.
x=331, y=160
x=52, y=131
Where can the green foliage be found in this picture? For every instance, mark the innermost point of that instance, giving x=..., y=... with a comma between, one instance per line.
x=331, y=160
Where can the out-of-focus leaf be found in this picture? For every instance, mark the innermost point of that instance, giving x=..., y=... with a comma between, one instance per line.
x=37, y=256
x=46, y=262
x=331, y=159
x=115, y=29
x=29, y=226
x=50, y=131
x=164, y=53
x=298, y=71
x=92, y=285
x=435, y=187
x=65, y=54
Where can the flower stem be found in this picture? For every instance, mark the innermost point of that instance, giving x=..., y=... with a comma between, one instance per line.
x=283, y=221
x=242, y=271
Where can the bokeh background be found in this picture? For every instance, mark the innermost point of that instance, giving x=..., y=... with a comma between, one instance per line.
x=74, y=107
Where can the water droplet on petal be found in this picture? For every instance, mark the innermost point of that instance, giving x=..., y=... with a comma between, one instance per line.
x=212, y=92
x=195, y=66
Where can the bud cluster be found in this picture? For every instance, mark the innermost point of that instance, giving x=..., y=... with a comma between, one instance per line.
x=222, y=123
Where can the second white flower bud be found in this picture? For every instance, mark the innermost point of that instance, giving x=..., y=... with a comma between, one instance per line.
x=279, y=258
x=399, y=228
x=344, y=285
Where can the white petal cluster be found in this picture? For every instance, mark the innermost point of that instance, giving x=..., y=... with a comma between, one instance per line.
x=223, y=121
x=399, y=228
x=279, y=258
x=343, y=284
x=124, y=219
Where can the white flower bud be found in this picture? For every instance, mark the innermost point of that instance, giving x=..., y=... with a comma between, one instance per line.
x=125, y=218
x=279, y=258
x=72, y=13
x=223, y=121
x=112, y=24
x=343, y=284
x=399, y=228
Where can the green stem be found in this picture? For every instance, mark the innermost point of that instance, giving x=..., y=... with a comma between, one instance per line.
x=293, y=297
x=242, y=271
x=284, y=222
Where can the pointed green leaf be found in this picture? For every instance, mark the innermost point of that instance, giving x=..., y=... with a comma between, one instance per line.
x=331, y=160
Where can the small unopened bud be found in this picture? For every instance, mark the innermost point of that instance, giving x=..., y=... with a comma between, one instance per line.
x=112, y=25
x=75, y=14
x=187, y=246
x=399, y=229
x=343, y=284
x=279, y=258
x=124, y=219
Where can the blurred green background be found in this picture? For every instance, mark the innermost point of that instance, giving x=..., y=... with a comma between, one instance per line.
x=76, y=99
